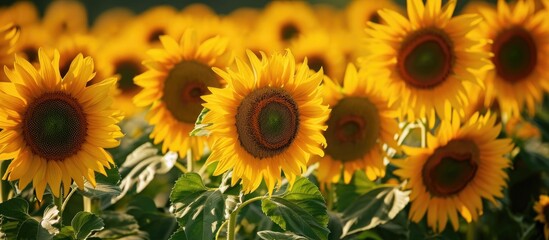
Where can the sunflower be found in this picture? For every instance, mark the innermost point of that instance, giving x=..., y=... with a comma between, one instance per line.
x=520, y=46
x=207, y=27
x=268, y=119
x=122, y=58
x=177, y=76
x=280, y=23
x=146, y=28
x=55, y=128
x=321, y=51
x=69, y=46
x=110, y=23
x=30, y=40
x=358, y=126
x=359, y=13
x=65, y=16
x=542, y=209
x=460, y=167
x=425, y=58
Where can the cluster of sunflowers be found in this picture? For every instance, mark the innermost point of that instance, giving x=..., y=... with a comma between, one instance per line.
x=333, y=119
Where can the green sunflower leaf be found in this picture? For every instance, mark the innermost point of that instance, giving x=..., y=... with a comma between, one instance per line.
x=85, y=223
x=198, y=209
x=15, y=209
x=179, y=235
x=149, y=218
x=373, y=208
x=270, y=235
x=106, y=188
x=300, y=210
x=199, y=127
x=120, y=225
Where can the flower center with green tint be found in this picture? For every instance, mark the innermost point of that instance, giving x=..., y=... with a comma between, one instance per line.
x=155, y=34
x=426, y=58
x=317, y=62
x=183, y=87
x=450, y=168
x=353, y=129
x=515, y=54
x=267, y=122
x=54, y=126
x=288, y=31
x=127, y=69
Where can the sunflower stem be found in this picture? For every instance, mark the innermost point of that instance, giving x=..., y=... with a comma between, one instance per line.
x=220, y=228
x=470, y=235
x=423, y=126
x=231, y=229
x=189, y=160
x=330, y=196
x=181, y=168
x=58, y=201
x=87, y=204
x=66, y=200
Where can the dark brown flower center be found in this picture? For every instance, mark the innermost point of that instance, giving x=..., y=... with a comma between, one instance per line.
x=183, y=87
x=127, y=69
x=451, y=167
x=316, y=62
x=54, y=126
x=515, y=54
x=30, y=53
x=374, y=17
x=267, y=122
x=426, y=58
x=353, y=129
x=155, y=34
x=288, y=31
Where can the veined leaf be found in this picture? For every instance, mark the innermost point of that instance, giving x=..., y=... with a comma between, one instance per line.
x=199, y=127
x=140, y=168
x=198, y=209
x=270, y=235
x=85, y=223
x=15, y=209
x=376, y=207
x=300, y=210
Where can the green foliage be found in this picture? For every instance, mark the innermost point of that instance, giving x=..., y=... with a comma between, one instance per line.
x=157, y=224
x=300, y=210
x=270, y=235
x=198, y=209
x=375, y=207
x=107, y=186
x=200, y=128
x=119, y=225
x=18, y=224
x=85, y=223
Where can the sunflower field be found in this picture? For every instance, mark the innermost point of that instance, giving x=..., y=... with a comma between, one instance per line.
x=277, y=120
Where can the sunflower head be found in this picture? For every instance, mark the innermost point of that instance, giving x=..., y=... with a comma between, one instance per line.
x=56, y=128
x=177, y=76
x=426, y=57
x=520, y=55
x=268, y=119
x=359, y=124
x=449, y=176
x=542, y=209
